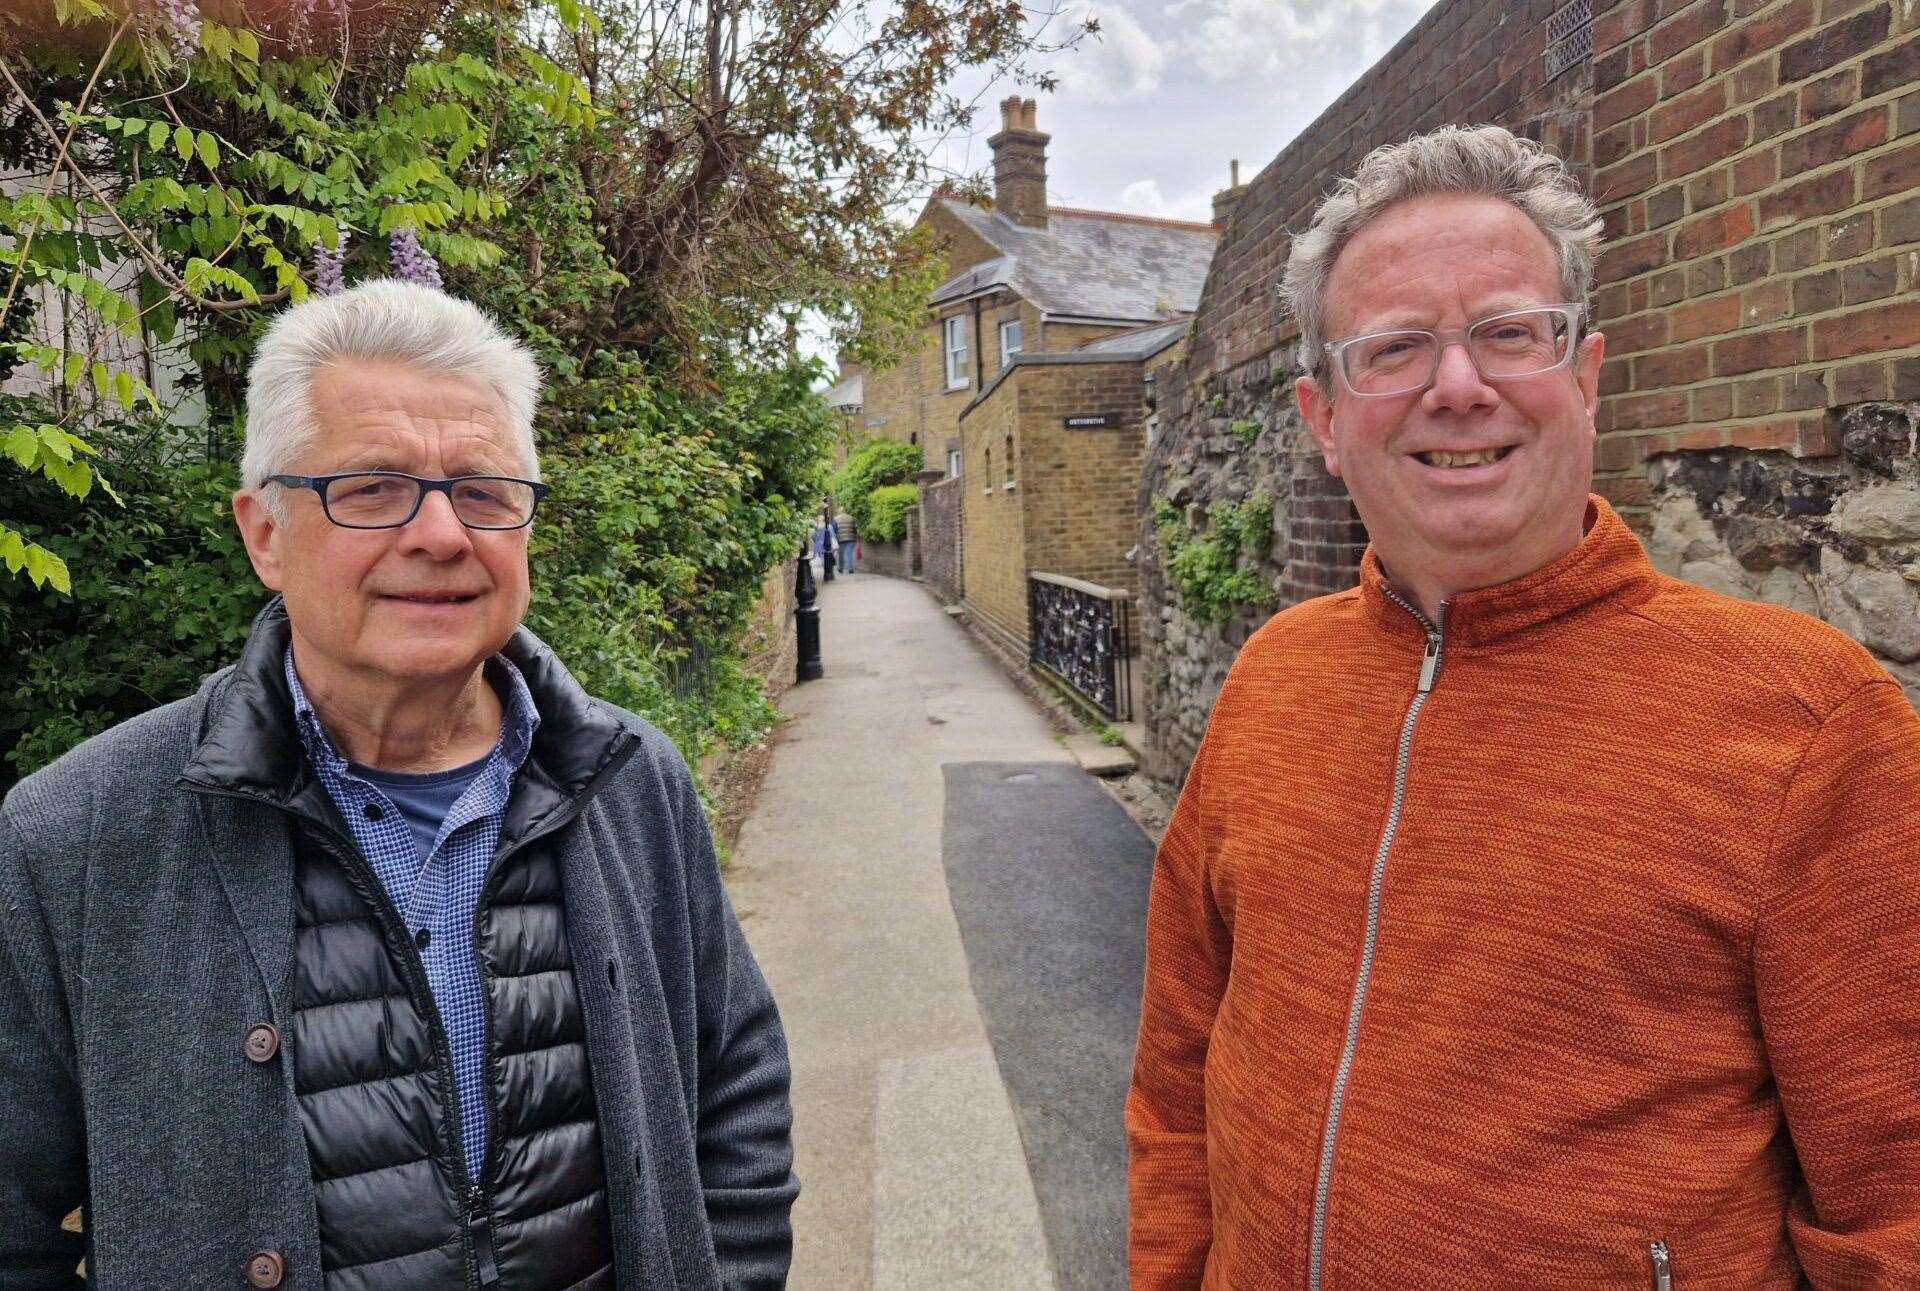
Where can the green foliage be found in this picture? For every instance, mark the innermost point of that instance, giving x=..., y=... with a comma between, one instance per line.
x=1109, y=736
x=1246, y=430
x=666, y=512
x=1219, y=567
x=876, y=463
x=162, y=592
x=887, y=511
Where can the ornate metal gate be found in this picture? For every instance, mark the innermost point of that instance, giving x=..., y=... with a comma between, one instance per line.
x=1082, y=633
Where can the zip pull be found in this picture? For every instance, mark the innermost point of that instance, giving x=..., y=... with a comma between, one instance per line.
x=1662, y=1266
x=1430, y=664
x=480, y=1231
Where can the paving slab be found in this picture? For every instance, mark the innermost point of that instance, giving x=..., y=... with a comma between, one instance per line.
x=1099, y=759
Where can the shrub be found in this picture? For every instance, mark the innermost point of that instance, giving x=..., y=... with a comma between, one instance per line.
x=876, y=463
x=887, y=511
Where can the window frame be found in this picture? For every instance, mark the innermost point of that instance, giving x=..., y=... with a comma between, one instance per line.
x=958, y=378
x=1019, y=346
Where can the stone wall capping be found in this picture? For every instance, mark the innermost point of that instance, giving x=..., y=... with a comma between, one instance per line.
x=1081, y=585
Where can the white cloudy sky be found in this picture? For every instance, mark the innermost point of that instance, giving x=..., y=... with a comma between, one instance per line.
x=1149, y=112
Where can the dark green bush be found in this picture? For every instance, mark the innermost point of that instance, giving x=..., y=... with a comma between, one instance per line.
x=876, y=463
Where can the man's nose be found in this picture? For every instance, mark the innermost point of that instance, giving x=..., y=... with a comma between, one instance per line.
x=435, y=528
x=1457, y=383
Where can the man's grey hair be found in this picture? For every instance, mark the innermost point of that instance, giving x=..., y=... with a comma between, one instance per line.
x=386, y=319
x=1478, y=160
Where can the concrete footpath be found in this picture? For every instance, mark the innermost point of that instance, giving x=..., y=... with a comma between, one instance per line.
x=917, y=1165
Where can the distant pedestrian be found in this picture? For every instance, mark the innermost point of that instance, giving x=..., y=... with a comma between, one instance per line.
x=843, y=529
x=1529, y=918
x=823, y=548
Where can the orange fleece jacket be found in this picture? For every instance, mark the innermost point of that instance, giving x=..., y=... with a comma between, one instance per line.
x=1645, y=960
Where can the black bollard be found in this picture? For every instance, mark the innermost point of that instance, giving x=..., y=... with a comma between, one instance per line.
x=806, y=616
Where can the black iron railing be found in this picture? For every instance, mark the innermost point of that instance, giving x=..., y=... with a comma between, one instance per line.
x=1083, y=634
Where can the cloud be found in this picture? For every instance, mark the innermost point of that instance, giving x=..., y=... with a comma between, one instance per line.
x=1289, y=39
x=1143, y=197
x=1119, y=63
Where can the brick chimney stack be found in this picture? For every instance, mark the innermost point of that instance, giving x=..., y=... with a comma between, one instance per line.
x=1020, y=165
x=1227, y=198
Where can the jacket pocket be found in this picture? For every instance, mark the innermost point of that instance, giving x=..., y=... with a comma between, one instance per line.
x=1660, y=1256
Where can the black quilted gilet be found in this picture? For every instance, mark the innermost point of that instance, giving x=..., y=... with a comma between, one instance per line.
x=375, y=1083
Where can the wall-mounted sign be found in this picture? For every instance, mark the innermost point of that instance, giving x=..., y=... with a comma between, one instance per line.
x=1091, y=421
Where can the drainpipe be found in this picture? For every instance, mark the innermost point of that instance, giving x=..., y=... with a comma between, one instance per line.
x=979, y=351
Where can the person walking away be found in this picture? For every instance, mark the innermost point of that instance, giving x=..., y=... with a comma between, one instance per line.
x=844, y=531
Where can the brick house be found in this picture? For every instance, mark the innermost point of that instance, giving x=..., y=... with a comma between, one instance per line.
x=1048, y=313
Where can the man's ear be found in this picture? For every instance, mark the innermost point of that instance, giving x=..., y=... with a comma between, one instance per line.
x=262, y=534
x=1586, y=370
x=1317, y=409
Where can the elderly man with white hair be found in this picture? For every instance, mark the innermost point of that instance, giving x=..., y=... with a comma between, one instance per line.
x=1529, y=919
x=391, y=958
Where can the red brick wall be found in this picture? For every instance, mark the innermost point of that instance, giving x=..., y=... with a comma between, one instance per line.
x=1756, y=163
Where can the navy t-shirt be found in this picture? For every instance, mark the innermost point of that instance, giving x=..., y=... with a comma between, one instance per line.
x=423, y=800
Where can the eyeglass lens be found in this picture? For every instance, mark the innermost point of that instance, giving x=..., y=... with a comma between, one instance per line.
x=376, y=501
x=1513, y=345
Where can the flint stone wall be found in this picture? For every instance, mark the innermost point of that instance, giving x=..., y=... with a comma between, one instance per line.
x=1200, y=461
x=1835, y=537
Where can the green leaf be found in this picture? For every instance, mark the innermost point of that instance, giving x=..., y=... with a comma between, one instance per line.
x=183, y=142
x=22, y=446
x=123, y=389
x=44, y=567
x=209, y=150
x=247, y=44
x=55, y=441
x=157, y=135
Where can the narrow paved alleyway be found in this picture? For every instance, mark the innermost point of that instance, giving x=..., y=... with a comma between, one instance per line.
x=950, y=913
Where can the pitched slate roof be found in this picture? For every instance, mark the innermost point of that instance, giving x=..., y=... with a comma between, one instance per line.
x=1088, y=264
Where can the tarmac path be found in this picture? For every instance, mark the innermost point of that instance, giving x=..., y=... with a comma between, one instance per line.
x=950, y=913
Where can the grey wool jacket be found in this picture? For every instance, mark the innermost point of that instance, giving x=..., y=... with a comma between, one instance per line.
x=146, y=926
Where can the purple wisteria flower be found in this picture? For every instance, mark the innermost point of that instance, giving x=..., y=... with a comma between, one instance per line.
x=329, y=269
x=179, y=21
x=411, y=261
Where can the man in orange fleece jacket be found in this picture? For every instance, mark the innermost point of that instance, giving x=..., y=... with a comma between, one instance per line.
x=1529, y=919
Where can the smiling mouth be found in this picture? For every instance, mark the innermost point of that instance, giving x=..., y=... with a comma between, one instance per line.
x=433, y=600
x=1484, y=457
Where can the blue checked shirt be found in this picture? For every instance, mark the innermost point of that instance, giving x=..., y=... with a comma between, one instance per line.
x=442, y=895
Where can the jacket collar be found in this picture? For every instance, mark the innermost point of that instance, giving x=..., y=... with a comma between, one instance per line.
x=1609, y=565
x=249, y=743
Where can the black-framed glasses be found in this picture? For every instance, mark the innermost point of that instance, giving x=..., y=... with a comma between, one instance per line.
x=1515, y=343
x=389, y=499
